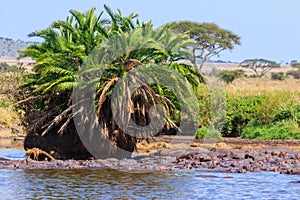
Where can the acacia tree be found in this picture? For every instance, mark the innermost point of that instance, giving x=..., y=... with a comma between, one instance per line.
x=259, y=66
x=210, y=40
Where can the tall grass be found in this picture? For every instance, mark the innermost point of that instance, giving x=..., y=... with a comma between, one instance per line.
x=253, y=86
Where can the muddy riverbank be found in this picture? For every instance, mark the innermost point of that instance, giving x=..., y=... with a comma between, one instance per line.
x=276, y=159
x=229, y=155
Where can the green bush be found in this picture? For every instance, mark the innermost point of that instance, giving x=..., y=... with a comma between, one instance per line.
x=229, y=75
x=205, y=132
x=290, y=111
x=205, y=107
x=277, y=76
x=258, y=110
x=201, y=133
x=213, y=133
x=240, y=111
x=281, y=130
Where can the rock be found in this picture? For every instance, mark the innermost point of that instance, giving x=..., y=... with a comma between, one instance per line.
x=205, y=158
x=207, y=176
x=212, y=176
x=295, y=182
x=249, y=156
x=112, y=160
x=3, y=159
x=127, y=162
x=181, y=153
x=167, y=159
x=105, y=163
x=169, y=152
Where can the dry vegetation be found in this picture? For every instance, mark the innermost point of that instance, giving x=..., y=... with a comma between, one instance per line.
x=248, y=86
x=9, y=117
x=262, y=84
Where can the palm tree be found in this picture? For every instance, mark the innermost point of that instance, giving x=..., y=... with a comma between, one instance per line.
x=101, y=54
x=118, y=69
x=59, y=57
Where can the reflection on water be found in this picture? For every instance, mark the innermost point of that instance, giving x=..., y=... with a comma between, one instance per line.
x=111, y=184
x=10, y=153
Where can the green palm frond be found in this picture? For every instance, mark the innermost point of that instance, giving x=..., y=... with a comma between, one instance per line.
x=89, y=53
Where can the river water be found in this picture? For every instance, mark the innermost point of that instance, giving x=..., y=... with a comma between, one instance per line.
x=112, y=184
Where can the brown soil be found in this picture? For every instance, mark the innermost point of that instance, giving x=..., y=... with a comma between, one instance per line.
x=233, y=143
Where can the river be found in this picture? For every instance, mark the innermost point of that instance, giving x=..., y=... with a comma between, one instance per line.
x=112, y=184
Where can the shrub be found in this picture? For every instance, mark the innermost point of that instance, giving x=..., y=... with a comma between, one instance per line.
x=213, y=133
x=275, y=101
x=290, y=111
x=205, y=132
x=201, y=133
x=294, y=73
x=229, y=75
x=214, y=72
x=282, y=130
x=204, y=102
x=240, y=111
x=295, y=64
x=277, y=76
x=252, y=76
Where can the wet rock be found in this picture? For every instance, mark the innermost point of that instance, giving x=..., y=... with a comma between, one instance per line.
x=181, y=153
x=147, y=159
x=249, y=156
x=222, y=160
x=207, y=176
x=230, y=153
x=167, y=159
x=112, y=160
x=127, y=162
x=295, y=182
x=217, y=169
x=205, y=158
x=170, y=152
x=3, y=159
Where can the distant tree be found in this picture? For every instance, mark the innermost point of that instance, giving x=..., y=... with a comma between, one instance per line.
x=294, y=73
x=210, y=39
x=277, y=76
x=229, y=75
x=259, y=66
x=296, y=65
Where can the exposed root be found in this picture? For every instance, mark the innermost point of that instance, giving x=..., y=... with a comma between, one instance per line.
x=36, y=152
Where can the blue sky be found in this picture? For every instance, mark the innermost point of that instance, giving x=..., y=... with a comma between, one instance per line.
x=268, y=28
